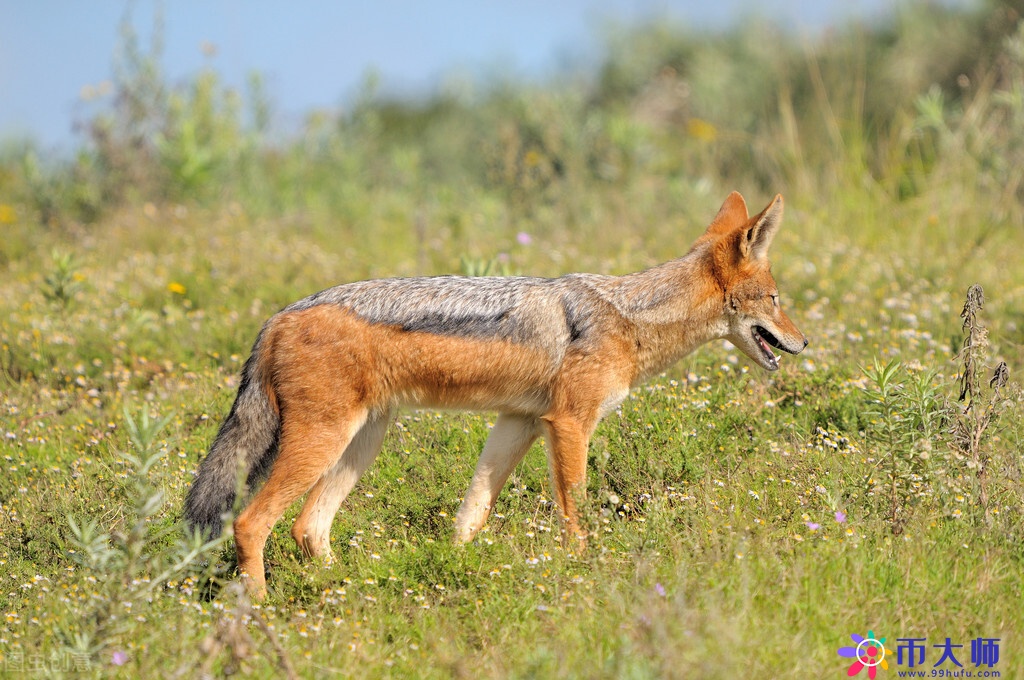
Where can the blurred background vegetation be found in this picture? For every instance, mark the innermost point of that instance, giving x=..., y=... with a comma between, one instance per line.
x=889, y=112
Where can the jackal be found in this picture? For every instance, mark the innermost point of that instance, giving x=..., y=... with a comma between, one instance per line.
x=551, y=356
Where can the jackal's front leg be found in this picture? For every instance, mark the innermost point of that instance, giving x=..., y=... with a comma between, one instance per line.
x=568, y=439
x=508, y=442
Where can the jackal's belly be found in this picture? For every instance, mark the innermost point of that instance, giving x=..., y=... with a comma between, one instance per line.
x=474, y=399
x=443, y=372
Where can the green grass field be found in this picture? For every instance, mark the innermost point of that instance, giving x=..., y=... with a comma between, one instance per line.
x=741, y=522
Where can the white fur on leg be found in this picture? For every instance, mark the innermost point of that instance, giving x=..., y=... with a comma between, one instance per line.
x=508, y=442
x=312, y=529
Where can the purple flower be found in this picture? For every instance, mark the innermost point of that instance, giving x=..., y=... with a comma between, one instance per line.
x=813, y=526
x=119, y=658
x=659, y=589
x=840, y=516
x=524, y=239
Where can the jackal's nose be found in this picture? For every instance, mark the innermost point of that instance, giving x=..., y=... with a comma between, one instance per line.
x=805, y=342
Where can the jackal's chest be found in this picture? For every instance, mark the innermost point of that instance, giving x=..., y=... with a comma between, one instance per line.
x=613, y=400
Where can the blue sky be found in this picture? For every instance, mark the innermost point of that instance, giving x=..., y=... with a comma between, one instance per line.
x=316, y=54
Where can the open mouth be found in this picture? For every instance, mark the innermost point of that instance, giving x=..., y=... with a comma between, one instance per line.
x=765, y=341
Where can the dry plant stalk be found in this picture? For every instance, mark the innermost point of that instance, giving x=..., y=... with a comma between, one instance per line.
x=232, y=634
x=973, y=416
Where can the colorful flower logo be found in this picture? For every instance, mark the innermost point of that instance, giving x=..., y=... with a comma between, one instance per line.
x=869, y=653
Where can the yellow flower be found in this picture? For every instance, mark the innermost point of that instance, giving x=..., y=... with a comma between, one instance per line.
x=532, y=158
x=701, y=129
x=7, y=214
x=176, y=288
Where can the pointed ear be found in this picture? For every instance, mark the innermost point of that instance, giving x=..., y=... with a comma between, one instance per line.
x=731, y=215
x=756, y=238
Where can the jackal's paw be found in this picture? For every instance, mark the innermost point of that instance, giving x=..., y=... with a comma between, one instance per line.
x=255, y=587
x=574, y=542
x=466, y=534
x=318, y=554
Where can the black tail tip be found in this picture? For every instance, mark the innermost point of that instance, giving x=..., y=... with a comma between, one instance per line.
x=206, y=530
x=207, y=522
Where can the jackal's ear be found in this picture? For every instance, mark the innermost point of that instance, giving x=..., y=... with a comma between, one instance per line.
x=730, y=217
x=757, y=237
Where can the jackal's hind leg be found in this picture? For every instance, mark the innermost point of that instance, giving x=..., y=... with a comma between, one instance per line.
x=309, y=447
x=508, y=442
x=312, y=528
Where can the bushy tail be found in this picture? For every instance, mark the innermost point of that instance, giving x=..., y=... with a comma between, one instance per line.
x=245, y=447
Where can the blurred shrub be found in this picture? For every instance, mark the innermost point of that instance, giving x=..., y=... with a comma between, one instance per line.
x=892, y=107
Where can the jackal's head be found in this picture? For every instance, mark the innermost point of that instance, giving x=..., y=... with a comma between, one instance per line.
x=739, y=257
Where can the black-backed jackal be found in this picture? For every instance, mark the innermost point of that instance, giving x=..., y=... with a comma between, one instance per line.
x=551, y=356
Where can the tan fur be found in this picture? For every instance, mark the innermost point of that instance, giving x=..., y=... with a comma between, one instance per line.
x=335, y=379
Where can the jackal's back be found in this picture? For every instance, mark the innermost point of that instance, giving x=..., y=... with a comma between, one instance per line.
x=519, y=309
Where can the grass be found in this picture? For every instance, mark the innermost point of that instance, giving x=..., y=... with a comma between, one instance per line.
x=741, y=521
x=702, y=491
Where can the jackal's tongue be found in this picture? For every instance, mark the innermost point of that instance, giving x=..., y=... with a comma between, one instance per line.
x=766, y=349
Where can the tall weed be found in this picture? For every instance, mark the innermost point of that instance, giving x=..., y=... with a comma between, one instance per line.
x=127, y=565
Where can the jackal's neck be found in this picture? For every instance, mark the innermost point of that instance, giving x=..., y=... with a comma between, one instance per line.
x=675, y=307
